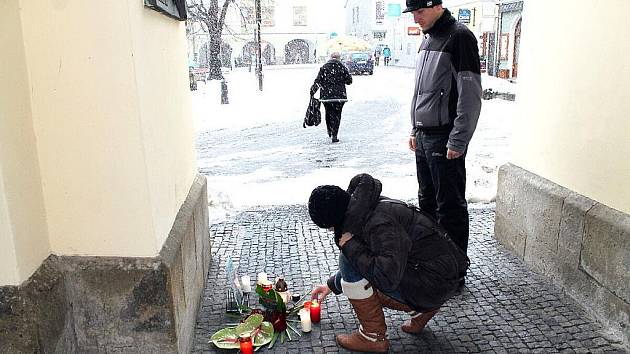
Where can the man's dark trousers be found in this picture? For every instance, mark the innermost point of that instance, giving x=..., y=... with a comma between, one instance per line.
x=442, y=185
x=333, y=117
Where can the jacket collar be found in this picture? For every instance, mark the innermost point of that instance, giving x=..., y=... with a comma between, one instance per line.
x=442, y=23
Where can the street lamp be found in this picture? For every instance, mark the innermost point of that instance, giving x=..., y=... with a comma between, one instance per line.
x=258, y=47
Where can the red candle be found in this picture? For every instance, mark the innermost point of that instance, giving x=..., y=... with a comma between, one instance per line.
x=307, y=305
x=267, y=285
x=315, y=311
x=245, y=342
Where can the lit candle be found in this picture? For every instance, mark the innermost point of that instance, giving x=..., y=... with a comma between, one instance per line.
x=245, y=284
x=245, y=343
x=315, y=311
x=285, y=296
x=262, y=278
x=267, y=285
x=305, y=320
x=307, y=305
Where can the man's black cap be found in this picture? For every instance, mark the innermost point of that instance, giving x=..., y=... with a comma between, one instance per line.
x=413, y=5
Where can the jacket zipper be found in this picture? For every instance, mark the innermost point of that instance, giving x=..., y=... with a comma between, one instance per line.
x=424, y=60
x=440, y=108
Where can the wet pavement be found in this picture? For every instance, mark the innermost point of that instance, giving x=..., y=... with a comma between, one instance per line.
x=504, y=307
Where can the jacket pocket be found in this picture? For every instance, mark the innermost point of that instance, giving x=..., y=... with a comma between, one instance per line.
x=428, y=109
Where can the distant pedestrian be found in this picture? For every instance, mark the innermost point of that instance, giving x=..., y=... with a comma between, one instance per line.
x=331, y=81
x=377, y=56
x=444, y=113
x=387, y=55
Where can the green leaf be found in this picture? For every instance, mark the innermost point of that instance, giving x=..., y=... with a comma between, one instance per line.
x=288, y=334
x=225, y=338
x=273, y=340
x=265, y=334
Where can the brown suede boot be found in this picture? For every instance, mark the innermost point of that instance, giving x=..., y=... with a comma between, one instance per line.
x=417, y=323
x=371, y=335
x=390, y=303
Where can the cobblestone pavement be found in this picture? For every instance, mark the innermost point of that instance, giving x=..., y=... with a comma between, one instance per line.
x=504, y=307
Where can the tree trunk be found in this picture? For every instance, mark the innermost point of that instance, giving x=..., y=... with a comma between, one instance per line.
x=215, y=41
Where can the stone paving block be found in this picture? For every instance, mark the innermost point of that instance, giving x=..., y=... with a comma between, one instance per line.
x=504, y=307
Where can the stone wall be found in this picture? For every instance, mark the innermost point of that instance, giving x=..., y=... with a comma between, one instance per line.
x=581, y=245
x=114, y=305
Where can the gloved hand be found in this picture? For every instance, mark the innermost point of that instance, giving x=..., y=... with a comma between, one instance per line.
x=314, y=88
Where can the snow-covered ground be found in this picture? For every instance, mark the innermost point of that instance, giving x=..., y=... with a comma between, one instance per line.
x=254, y=151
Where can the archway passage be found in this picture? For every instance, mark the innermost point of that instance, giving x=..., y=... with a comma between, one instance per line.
x=296, y=52
x=517, y=43
x=268, y=53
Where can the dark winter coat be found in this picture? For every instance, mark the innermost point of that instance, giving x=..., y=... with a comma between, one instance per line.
x=396, y=247
x=447, y=94
x=332, y=80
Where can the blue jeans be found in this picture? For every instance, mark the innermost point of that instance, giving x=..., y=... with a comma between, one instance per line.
x=350, y=275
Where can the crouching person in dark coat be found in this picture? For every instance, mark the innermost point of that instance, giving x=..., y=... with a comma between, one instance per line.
x=392, y=255
x=332, y=80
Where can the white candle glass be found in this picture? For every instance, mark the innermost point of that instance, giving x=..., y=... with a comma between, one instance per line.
x=305, y=320
x=262, y=278
x=245, y=284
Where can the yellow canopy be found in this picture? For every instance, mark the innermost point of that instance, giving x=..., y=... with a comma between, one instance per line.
x=346, y=44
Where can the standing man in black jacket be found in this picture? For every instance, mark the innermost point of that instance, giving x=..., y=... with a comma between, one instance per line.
x=332, y=79
x=392, y=255
x=444, y=113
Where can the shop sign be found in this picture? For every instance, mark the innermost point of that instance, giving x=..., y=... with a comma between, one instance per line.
x=463, y=15
x=172, y=8
x=414, y=31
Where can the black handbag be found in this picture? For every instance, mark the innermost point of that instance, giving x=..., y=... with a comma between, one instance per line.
x=313, y=115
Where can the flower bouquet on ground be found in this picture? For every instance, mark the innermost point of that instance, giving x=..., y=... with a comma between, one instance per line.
x=263, y=326
x=253, y=326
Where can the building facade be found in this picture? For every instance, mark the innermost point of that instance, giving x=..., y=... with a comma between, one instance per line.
x=508, y=39
x=291, y=32
x=104, y=240
x=563, y=202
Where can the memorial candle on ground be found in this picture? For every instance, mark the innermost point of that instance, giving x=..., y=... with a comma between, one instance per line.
x=315, y=311
x=262, y=278
x=246, y=344
x=245, y=283
x=305, y=320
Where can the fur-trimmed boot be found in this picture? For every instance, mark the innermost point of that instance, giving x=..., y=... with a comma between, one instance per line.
x=416, y=324
x=372, y=333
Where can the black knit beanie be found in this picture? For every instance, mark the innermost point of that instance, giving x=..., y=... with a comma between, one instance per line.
x=327, y=206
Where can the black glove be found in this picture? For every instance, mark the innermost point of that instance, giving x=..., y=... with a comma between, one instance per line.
x=314, y=89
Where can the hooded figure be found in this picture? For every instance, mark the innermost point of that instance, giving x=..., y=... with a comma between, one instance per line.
x=392, y=255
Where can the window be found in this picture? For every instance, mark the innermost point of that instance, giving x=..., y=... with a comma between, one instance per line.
x=267, y=10
x=299, y=16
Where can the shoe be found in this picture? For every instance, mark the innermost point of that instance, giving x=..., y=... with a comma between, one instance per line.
x=416, y=324
x=334, y=139
x=372, y=333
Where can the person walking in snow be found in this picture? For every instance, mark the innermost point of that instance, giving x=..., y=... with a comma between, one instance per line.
x=387, y=55
x=331, y=81
x=392, y=255
x=444, y=113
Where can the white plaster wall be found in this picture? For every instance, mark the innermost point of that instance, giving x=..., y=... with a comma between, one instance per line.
x=573, y=126
x=161, y=74
x=109, y=98
x=23, y=233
